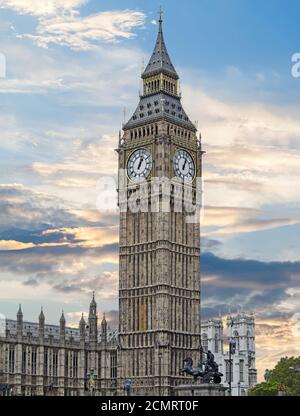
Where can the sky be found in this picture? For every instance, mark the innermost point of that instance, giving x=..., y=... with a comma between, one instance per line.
x=72, y=67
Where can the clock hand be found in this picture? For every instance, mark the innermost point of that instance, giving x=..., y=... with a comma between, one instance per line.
x=141, y=161
x=184, y=164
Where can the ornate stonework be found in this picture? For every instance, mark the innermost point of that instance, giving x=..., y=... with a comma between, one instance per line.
x=55, y=360
x=159, y=276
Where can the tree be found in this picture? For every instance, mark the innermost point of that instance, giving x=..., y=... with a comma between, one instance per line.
x=282, y=376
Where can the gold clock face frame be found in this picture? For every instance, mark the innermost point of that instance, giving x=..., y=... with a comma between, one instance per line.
x=139, y=165
x=184, y=165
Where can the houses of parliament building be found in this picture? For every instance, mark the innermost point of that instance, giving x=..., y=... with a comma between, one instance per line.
x=159, y=275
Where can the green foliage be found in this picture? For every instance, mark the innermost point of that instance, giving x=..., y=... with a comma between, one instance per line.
x=280, y=376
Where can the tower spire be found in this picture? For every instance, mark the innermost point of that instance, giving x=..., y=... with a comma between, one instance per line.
x=161, y=97
x=160, y=61
x=161, y=12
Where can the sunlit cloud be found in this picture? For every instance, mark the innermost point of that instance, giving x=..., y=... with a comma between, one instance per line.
x=80, y=33
x=243, y=123
x=42, y=8
x=87, y=237
x=60, y=22
x=14, y=245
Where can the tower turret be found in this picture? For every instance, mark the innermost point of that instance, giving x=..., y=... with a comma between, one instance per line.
x=93, y=321
x=161, y=99
x=62, y=327
x=41, y=324
x=82, y=329
x=104, y=329
x=19, y=321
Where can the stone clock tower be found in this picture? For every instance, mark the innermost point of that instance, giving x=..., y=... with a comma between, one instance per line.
x=159, y=277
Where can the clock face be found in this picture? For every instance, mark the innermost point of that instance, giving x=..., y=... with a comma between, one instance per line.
x=184, y=165
x=139, y=164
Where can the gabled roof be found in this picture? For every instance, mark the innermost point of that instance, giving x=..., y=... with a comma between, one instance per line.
x=160, y=60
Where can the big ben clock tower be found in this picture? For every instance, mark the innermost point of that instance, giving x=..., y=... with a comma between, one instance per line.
x=159, y=269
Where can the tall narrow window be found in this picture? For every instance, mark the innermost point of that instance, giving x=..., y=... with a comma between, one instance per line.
x=12, y=359
x=236, y=339
x=75, y=364
x=33, y=361
x=45, y=362
x=113, y=364
x=241, y=366
x=55, y=363
x=229, y=371
x=67, y=363
x=216, y=344
x=24, y=361
x=204, y=342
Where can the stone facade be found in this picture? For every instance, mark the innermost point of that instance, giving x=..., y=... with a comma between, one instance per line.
x=159, y=269
x=55, y=360
x=159, y=279
x=241, y=330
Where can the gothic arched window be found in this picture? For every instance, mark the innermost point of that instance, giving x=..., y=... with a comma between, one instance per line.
x=248, y=340
x=236, y=339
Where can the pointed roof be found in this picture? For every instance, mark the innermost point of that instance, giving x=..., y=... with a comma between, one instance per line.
x=93, y=303
x=62, y=318
x=42, y=316
x=20, y=313
x=160, y=60
x=157, y=106
x=104, y=322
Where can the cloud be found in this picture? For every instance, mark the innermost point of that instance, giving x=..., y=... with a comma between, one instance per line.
x=255, y=225
x=42, y=7
x=14, y=245
x=275, y=338
x=81, y=33
x=60, y=23
x=111, y=316
x=251, y=285
x=221, y=220
x=226, y=215
x=252, y=150
x=104, y=78
x=87, y=162
x=87, y=237
x=105, y=284
x=240, y=123
x=36, y=246
x=23, y=208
